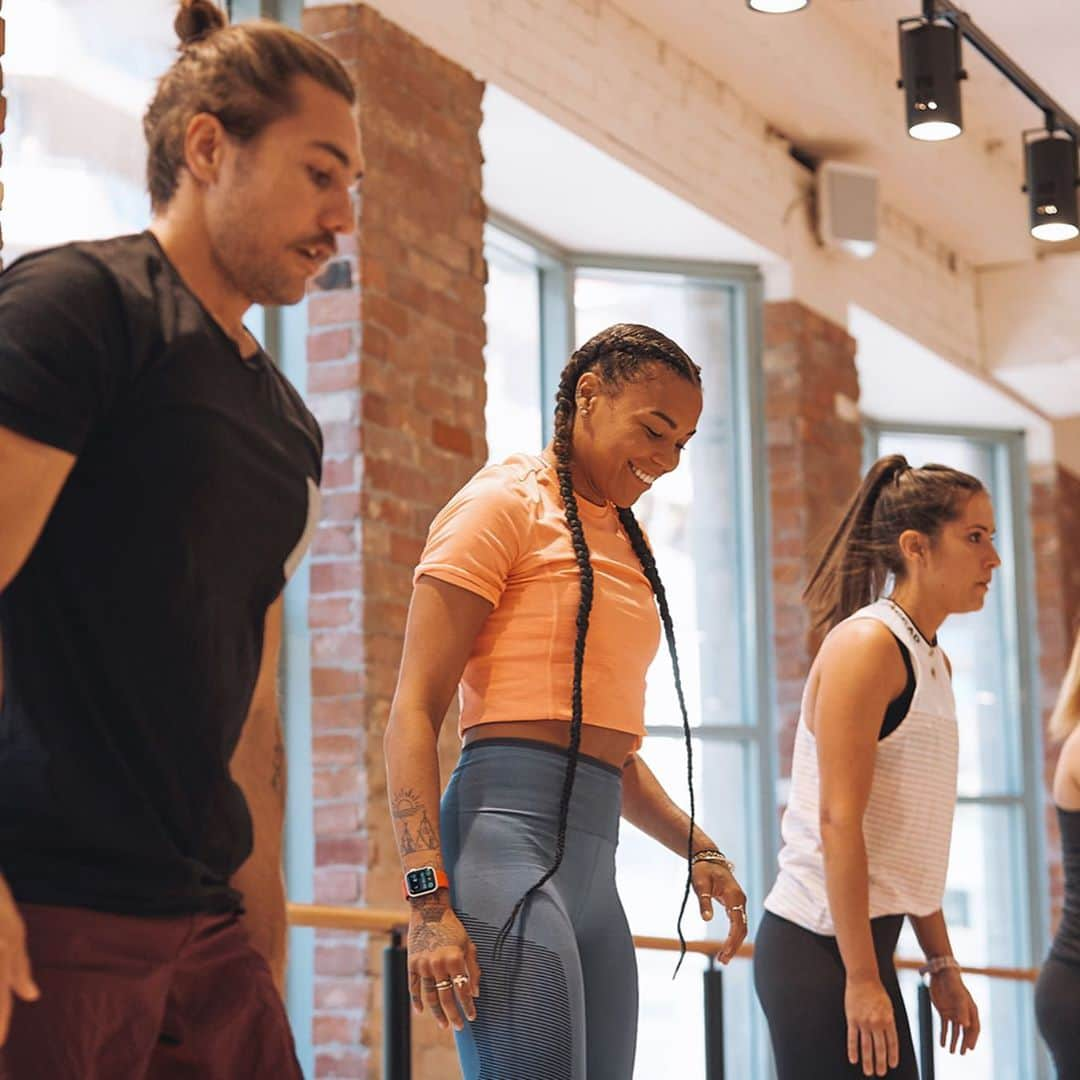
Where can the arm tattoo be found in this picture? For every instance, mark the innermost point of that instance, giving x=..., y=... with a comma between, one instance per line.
x=406, y=804
x=431, y=908
x=429, y=936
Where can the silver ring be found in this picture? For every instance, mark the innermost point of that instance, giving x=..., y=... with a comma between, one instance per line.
x=460, y=980
x=444, y=985
x=740, y=909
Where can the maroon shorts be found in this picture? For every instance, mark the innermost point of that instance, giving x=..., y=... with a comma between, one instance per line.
x=126, y=998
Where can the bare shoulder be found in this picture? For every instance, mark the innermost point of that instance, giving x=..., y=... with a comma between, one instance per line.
x=860, y=647
x=858, y=671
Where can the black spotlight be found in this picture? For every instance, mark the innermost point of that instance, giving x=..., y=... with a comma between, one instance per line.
x=930, y=75
x=777, y=7
x=1050, y=158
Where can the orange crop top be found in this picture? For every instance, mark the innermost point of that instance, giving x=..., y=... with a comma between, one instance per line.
x=504, y=537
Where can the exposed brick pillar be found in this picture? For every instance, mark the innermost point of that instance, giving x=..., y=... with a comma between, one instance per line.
x=1055, y=531
x=814, y=441
x=396, y=376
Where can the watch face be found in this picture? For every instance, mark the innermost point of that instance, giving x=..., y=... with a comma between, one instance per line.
x=420, y=881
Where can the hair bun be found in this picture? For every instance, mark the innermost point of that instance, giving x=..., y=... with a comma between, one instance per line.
x=196, y=19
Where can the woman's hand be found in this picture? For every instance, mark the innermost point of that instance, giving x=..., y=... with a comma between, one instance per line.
x=956, y=1007
x=713, y=880
x=871, y=1026
x=443, y=973
x=14, y=963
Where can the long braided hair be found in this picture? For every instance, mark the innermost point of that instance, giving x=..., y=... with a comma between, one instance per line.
x=620, y=354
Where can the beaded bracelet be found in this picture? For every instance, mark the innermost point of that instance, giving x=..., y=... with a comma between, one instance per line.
x=712, y=855
x=936, y=964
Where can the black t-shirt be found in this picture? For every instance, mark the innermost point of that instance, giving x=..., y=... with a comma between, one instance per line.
x=132, y=635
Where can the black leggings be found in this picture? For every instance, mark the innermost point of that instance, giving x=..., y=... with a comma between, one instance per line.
x=800, y=981
x=1057, y=1007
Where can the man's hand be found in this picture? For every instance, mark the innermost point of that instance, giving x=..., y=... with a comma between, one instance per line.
x=14, y=962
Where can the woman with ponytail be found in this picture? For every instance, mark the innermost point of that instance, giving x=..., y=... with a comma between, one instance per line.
x=538, y=593
x=1057, y=993
x=868, y=824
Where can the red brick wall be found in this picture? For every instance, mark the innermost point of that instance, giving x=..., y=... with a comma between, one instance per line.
x=1055, y=529
x=814, y=444
x=396, y=375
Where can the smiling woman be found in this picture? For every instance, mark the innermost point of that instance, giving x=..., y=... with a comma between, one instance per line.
x=538, y=592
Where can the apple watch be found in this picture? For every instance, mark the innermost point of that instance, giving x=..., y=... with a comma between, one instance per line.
x=423, y=881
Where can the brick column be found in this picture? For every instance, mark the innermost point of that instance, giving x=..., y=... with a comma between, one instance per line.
x=396, y=376
x=1055, y=531
x=814, y=442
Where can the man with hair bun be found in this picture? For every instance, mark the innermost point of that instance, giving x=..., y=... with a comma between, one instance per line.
x=158, y=484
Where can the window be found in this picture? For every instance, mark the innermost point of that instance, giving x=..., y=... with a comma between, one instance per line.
x=704, y=525
x=79, y=77
x=513, y=415
x=996, y=834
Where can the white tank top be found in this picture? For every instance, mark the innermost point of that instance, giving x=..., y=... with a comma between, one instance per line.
x=908, y=821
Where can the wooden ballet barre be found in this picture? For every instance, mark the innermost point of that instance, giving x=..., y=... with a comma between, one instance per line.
x=389, y=920
x=327, y=917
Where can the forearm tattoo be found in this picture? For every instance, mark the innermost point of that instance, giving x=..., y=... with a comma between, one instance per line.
x=430, y=936
x=415, y=830
x=430, y=908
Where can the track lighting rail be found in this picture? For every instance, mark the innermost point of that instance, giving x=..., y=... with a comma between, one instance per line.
x=1055, y=115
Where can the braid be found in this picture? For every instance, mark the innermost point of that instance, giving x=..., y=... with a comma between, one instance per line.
x=617, y=355
x=564, y=413
x=648, y=565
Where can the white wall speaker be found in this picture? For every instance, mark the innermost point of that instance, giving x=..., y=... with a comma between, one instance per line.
x=847, y=208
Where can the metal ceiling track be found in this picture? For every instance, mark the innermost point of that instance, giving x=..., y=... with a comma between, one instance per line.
x=1055, y=115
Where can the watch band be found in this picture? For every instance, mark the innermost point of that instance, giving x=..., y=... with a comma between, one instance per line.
x=423, y=881
x=936, y=964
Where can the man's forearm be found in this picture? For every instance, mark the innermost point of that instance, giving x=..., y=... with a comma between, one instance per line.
x=261, y=881
x=260, y=771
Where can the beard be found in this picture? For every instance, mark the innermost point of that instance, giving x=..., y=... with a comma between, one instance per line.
x=256, y=266
x=253, y=271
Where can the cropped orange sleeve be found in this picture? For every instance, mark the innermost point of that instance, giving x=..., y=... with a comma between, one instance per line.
x=478, y=536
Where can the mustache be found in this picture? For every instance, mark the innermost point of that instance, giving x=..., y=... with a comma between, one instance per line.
x=324, y=240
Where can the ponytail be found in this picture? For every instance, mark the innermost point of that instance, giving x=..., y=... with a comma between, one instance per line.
x=865, y=550
x=848, y=575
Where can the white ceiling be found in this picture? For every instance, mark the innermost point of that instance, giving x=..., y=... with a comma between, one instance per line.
x=959, y=398
x=831, y=89
x=591, y=202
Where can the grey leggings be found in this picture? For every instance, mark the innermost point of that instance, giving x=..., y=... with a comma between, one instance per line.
x=560, y=1002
